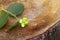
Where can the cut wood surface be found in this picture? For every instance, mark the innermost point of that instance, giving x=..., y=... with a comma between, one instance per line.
x=41, y=14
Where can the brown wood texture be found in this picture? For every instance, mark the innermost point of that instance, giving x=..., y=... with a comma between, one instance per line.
x=41, y=16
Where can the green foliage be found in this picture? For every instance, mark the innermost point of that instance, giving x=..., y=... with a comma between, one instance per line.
x=16, y=8
x=13, y=10
x=12, y=26
x=3, y=18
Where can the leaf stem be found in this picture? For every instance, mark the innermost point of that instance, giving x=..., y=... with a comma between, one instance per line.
x=11, y=14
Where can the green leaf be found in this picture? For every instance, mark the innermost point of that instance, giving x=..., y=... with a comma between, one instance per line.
x=12, y=26
x=16, y=8
x=3, y=18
